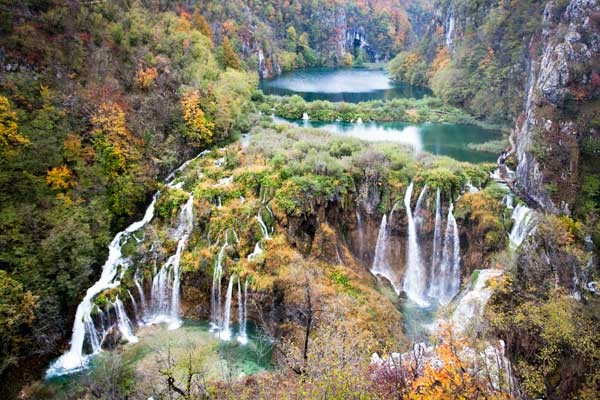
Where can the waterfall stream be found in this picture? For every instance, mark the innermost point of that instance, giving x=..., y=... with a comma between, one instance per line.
x=415, y=280
x=380, y=265
x=242, y=313
x=74, y=359
x=445, y=282
x=166, y=283
x=113, y=269
x=524, y=223
x=225, y=332
x=436, y=255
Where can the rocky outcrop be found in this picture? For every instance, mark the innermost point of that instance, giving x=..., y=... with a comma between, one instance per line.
x=551, y=129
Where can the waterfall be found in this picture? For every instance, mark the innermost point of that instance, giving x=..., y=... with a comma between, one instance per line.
x=215, y=297
x=418, y=215
x=242, y=312
x=380, y=264
x=436, y=255
x=361, y=234
x=257, y=251
x=414, y=282
x=166, y=284
x=123, y=322
x=524, y=223
x=305, y=117
x=225, y=332
x=74, y=359
x=447, y=284
x=138, y=285
x=263, y=226
x=392, y=214
x=135, y=307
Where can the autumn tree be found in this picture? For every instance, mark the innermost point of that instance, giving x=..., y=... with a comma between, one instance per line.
x=112, y=138
x=198, y=130
x=229, y=58
x=200, y=23
x=60, y=178
x=10, y=138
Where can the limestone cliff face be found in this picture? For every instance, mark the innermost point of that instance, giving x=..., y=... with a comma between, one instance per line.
x=551, y=129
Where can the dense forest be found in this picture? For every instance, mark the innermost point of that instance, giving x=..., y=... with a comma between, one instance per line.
x=299, y=262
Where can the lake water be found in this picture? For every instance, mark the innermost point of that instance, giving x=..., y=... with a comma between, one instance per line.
x=349, y=85
x=142, y=361
x=439, y=139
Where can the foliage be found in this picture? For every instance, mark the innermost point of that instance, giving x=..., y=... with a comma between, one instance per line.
x=228, y=56
x=198, y=130
x=408, y=110
x=10, y=138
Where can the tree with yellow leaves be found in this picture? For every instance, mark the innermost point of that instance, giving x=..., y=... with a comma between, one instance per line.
x=112, y=138
x=198, y=130
x=60, y=178
x=10, y=138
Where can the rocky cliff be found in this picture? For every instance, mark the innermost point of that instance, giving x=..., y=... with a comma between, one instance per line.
x=561, y=104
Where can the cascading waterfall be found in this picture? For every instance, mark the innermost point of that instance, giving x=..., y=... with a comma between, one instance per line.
x=380, y=264
x=524, y=223
x=361, y=234
x=225, y=332
x=418, y=215
x=135, y=306
x=263, y=226
x=415, y=280
x=447, y=285
x=123, y=322
x=139, y=286
x=215, y=297
x=166, y=283
x=112, y=271
x=436, y=255
x=83, y=326
x=242, y=312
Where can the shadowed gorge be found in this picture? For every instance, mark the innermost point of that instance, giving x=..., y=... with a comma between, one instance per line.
x=324, y=199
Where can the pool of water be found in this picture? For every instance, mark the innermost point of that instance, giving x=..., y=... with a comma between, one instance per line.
x=439, y=139
x=142, y=362
x=349, y=85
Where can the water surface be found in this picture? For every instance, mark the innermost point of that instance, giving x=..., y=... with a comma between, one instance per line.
x=440, y=139
x=349, y=85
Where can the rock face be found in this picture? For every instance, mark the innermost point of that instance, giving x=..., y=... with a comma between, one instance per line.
x=562, y=81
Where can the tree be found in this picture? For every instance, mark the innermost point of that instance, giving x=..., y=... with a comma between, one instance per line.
x=10, y=138
x=200, y=24
x=113, y=139
x=198, y=130
x=17, y=314
x=291, y=39
x=229, y=58
x=60, y=178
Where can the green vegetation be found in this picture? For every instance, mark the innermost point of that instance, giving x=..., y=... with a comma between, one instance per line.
x=552, y=337
x=485, y=70
x=104, y=100
x=408, y=110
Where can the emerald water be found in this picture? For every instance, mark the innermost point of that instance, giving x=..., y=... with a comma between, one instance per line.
x=440, y=139
x=349, y=85
x=141, y=362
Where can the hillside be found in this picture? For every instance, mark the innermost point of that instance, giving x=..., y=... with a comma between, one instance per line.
x=428, y=230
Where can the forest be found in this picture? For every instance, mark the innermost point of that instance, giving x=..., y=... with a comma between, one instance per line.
x=172, y=226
